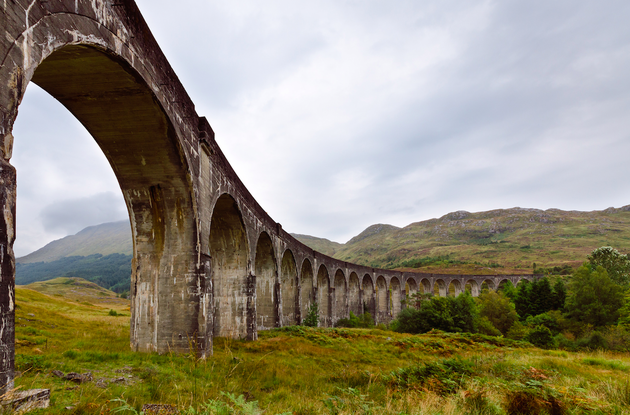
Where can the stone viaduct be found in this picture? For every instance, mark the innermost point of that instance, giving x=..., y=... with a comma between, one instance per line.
x=208, y=260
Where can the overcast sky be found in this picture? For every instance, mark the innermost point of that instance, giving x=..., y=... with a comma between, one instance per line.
x=340, y=114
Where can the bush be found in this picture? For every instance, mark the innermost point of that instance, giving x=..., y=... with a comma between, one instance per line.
x=451, y=314
x=312, y=316
x=112, y=313
x=364, y=321
x=593, y=342
x=485, y=326
x=542, y=337
x=517, y=332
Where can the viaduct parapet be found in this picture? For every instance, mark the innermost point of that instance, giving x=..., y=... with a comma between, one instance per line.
x=208, y=260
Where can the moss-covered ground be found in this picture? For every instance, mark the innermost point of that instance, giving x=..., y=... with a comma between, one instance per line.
x=304, y=370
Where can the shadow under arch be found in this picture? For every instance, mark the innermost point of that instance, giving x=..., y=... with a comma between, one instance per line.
x=323, y=296
x=307, y=295
x=266, y=272
x=369, y=299
x=229, y=258
x=118, y=108
x=354, y=294
x=289, y=289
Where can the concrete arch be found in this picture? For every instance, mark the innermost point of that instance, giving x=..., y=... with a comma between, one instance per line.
x=266, y=272
x=340, y=300
x=289, y=289
x=229, y=256
x=306, y=288
x=503, y=283
x=439, y=288
x=411, y=287
x=382, y=298
x=354, y=294
x=455, y=288
x=425, y=286
x=487, y=284
x=395, y=298
x=369, y=298
x=473, y=287
x=523, y=280
x=323, y=296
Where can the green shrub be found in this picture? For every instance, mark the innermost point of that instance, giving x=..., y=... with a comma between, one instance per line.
x=363, y=321
x=486, y=327
x=312, y=316
x=112, y=313
x=542, y=337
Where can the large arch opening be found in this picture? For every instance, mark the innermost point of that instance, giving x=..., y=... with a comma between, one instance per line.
x=323, y=296
x=369, y=303
x=395, y=289
x=382, y=298
x=125, y=118
x=289, y=289
x=340, y=296
x=228, y=254
x=425, y=286
x=439, y=288
x=473, y=287
x=354, y=294
x=487, y=284
x=266, y=275
x=306, y=288
x=454, y=288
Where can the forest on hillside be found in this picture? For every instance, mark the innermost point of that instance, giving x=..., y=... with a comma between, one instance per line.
x=109, y=271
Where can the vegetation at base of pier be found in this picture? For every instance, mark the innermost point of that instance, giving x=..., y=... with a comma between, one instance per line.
x=308, y=370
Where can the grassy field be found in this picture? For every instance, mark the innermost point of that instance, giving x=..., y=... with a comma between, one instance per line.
x=300, y=370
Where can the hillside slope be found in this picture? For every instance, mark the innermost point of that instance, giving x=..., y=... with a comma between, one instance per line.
x=104, y=239
x=514, y=238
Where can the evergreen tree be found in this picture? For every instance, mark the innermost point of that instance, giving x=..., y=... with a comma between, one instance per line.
x=521, y=301
x=559, y=295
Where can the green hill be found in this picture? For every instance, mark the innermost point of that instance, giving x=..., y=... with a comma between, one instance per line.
x=104, y=239
x=502, y=240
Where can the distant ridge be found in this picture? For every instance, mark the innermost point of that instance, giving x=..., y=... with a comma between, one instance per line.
x=500, y=240
x=105, y=239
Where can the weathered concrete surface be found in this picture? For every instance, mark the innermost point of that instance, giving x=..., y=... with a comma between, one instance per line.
x=208, y=260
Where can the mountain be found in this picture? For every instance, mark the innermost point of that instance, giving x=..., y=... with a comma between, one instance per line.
x=512, y=239
x=322, y=245
x=104, y=239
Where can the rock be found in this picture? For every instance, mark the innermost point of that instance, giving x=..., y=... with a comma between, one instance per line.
x=57, y=373
x=159, y=409
x=24, y=401
x=101, y=383
x=119, y=380
x=79, y=378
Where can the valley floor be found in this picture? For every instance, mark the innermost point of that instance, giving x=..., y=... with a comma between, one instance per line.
x=303, y=370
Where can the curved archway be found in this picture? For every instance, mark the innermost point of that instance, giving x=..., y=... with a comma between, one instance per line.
x=473, y=287
x=354, y=294
x=266, y=274
x=411, y=287
x=339, y=309
x=439, y=288
x=289, y=289
x=369, y=301
x=306, y=288
x=382, y=298
x=229, y=253
x=425, y=286
x=487, y=284
x=454, y=288
x=395, y=299
x=323, y=296
x=504, y=283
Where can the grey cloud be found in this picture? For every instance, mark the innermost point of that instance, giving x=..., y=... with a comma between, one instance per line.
x=72, y=215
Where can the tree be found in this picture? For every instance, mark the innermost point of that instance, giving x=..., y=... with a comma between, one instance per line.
x=559, y=295
x=509, y=290
x=617, y=265
x=452, y=314
x=593, y=297
x=498, y=309
x=312, y=316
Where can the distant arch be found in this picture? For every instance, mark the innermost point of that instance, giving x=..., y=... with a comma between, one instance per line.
x=504, y=283
x=439, y=288
x=454, y=288
x=354, y=296
x=323, y=296
x=339, y=309
x=382, y=298
x=487, y=284
x=395, y=305
x=473, y=287
x=369, y=303
x=425, y=286
x=289, y=288
x=306, y=288
x=411, y=287
x=266, y=274
x=229, y=254
x=523, y=280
